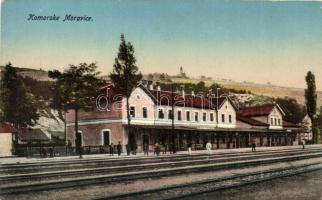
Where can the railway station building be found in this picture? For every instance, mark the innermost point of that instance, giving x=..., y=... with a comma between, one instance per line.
x=196, y=119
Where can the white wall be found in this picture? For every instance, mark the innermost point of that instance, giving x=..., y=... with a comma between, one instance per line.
x=139, y=99
x=277, y=123
x=227, y=109
x=5, y=144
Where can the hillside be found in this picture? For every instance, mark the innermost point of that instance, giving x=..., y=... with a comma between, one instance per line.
x=255, y=88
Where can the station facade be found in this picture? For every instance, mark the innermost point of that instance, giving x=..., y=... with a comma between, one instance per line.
x=196, y=120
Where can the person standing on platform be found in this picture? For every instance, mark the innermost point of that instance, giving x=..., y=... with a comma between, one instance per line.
x=146, y=149
x=112, y=149
x=135, y=146
x=253, y=145
x=189, y=148
x=119, y=148
x=208, y=147
x=165, y=148
x=69, y=147
x=303, y=144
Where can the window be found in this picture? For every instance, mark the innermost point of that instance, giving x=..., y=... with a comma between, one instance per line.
x=170, y=115
x=204, y=117
x=279, y=122
x=230, y=119
x=196, y=116
x=132, y=111
x=275, y=121
x=179, y=115
x=145, y=112
x=212, y=117
x=223, y=118
x=161, y=114
x=271, y=121
x=188, y=115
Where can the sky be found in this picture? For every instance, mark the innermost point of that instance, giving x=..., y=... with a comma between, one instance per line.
x=256, y=41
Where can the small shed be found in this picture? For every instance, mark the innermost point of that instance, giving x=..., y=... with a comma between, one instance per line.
x=7, y=133
x=33, y=136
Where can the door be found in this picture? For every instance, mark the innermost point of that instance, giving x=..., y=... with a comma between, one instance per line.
x=145, y=142
x=106, y=138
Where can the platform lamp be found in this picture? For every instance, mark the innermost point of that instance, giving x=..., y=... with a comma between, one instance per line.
x=217, y=94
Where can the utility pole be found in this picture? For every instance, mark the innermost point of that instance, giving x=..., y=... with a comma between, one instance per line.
x=217, y=121
x=172, y=119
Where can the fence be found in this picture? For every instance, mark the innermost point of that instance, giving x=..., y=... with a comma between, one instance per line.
x=53, y=151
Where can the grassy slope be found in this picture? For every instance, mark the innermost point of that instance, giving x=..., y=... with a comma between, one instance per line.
x=259, y=89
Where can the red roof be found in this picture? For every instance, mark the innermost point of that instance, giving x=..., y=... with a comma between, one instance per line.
x=257, y=110
x=290, y=124
x=112, y=93
x=165, y=98
x=251, y=121
x=7, y=128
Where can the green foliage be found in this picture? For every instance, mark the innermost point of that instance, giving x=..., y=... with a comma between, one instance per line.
x=318, y=135
x=310, y=95
x=294, y=112
x=260, y=100
x=126, y=77
x=17, y=105
x=310, y=98
x=318, y=120
x=40, y=89
x=200, y=88
x=125, y=74
x=77, y=87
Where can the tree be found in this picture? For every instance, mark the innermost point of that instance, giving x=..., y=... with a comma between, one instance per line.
x=126, y=77
x=76, y=88
x=310, y=100
x=294, y=112
x=17, y=105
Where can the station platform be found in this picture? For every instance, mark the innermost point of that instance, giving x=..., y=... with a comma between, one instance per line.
x=9, y=160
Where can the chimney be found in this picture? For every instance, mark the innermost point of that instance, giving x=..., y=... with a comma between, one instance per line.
x=182, y=92
x=246, y=104
x=193, y=93
x=145, y=83
x=158, y=88
x=151, y=87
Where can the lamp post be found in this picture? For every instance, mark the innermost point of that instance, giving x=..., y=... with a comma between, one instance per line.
x=172, y=119
x=217, y=121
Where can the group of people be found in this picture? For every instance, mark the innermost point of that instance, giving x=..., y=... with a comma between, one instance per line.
x=118, y=148
x=44, y=152
x=208, y=147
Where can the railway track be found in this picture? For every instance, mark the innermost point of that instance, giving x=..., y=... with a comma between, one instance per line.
x=26, y=168
x=112, y=169
x=182, y=191
x=128, y=160
x=176, y=168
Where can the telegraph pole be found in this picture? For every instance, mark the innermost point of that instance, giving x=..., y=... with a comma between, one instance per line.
x=172, y=120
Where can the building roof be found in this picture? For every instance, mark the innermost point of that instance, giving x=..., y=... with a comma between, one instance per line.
x=251, y=121
x=290, y=124
x=259, y=110
x=112, y=93
x=7, y=128
x=165, y=98
x=29, y=134
x=195, y=101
